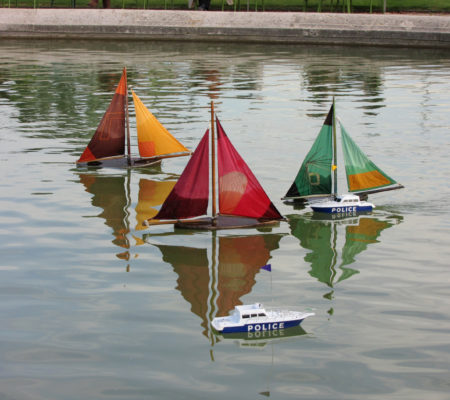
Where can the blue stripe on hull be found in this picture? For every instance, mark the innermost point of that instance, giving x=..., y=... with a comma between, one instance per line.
x=342, y=210
x=267, y=326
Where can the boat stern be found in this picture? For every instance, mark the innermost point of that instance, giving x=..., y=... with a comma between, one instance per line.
x=219, y=323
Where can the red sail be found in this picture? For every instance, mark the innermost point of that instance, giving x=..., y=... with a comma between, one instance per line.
x=239, y=191
x=189, y=196
x=109, y=138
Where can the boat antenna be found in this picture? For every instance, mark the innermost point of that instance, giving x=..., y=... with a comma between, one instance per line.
x=127, y=118
x=213, y=165
x=334, y=151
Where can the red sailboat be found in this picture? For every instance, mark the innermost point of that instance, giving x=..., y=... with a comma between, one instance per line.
x=243, y=203
x=107, y=146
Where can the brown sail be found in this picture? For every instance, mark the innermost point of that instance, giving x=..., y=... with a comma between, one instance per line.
x=109, y=138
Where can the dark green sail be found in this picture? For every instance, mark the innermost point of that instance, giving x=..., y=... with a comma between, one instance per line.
x=314, y=176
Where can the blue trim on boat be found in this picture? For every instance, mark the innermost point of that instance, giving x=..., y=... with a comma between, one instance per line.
x=342, y=209
x=261, y=327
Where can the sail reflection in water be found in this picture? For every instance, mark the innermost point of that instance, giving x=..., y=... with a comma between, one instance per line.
x=151, y=194
x=329, y=258
x=113, y=194
x=213, y=288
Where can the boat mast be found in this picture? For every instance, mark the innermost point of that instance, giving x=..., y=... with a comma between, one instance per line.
x=127, y=119
x=213, y=165
x=334, y=152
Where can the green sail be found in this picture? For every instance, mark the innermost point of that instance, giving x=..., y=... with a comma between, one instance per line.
x=314, y=176
x=362, y=174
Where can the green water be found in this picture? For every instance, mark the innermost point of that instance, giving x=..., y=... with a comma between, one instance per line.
x=93, y=306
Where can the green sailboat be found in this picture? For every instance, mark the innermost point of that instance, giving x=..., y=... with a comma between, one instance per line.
x=317, y=177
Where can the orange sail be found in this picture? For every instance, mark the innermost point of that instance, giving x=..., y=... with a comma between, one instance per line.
x=153, y=138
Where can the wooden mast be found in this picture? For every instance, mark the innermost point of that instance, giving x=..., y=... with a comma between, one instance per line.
x=127, y=119
x=213, y=165
x=334, y=151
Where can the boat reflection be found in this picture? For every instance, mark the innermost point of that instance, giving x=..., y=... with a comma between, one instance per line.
x=214, y=285
x=262, y=339
x=336, y=241
x=113, y=195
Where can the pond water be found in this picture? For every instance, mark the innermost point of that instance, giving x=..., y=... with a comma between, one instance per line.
x=95, y=306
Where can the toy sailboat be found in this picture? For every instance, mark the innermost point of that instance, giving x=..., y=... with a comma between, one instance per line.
x=107, y=146
x=242, y=201
x=317, y=177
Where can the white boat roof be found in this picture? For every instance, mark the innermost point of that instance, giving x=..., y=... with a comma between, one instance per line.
x=249, y=307
x=348, y=196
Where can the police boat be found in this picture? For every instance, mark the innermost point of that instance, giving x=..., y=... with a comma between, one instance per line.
x=344, y=204
x=254, y=318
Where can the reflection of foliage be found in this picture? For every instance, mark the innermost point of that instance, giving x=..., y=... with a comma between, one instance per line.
x=236, y=76
x=322, y=80
x=42, y=93
x=68, y=85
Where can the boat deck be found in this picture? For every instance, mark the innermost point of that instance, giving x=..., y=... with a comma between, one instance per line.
x=225, y=222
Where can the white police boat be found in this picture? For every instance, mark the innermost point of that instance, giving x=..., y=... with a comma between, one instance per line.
x=343, y=204
x=254, y=318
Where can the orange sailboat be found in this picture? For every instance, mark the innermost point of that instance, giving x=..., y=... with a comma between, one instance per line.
x=107, y=146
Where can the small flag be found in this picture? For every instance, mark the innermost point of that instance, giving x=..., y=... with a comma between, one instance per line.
x=267, y=267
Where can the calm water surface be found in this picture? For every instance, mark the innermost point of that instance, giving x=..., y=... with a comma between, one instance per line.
x=93, y=306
